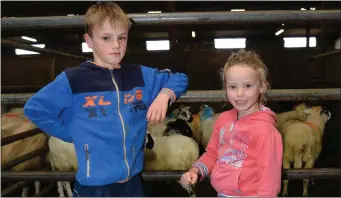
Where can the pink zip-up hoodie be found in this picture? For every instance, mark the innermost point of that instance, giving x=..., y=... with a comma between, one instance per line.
x=244, y=157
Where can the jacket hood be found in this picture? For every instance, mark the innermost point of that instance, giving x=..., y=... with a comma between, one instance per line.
x=264, y=115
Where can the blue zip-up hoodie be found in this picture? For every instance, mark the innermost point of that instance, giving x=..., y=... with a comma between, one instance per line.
x=103, y=112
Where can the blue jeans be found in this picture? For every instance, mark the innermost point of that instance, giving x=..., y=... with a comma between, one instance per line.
x=131, y=188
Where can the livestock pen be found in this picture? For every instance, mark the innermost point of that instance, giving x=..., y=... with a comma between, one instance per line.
x=297, y=76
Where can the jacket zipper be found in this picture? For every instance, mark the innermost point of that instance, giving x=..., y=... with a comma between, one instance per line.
x=86, y=147
x=122, y=122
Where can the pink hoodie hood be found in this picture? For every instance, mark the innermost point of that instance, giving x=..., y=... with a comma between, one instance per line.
x=265, y=115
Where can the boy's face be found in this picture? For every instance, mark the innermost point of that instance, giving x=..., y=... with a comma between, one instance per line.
x=243, y=87
x=109, y=43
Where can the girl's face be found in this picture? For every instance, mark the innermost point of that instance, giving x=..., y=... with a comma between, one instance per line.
x=243, y=87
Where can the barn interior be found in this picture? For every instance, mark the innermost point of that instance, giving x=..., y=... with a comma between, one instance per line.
x=300, y=53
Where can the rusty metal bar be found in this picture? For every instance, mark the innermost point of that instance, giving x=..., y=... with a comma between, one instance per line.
x=20, y=136
x=21, y=184
x=227, y=17
x=42, y=50
x=23, y=158
x=327, y=54
x=292, y=174
x=275, y=94
x=46, y=190
x=218, y=95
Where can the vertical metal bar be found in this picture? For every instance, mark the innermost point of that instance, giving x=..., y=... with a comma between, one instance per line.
x=52, y=69
x=19, y=185
x=46, y=190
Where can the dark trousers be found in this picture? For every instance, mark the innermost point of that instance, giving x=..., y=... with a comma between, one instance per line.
x=131, y=188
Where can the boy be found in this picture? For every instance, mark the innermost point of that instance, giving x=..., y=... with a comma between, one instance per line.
x=102, y=107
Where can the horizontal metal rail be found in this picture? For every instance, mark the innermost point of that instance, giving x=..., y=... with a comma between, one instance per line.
x=23, y=158
x=42, y=50
x=20, y=136
x=264, y=16
x=292, y=174
x=327, y=54
x=218, y=95
x=275, y=95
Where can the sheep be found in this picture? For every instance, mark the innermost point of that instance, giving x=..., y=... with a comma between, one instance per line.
x=62, y=158
x=297, y=113
x=172, y=153
x=207, y=119
x=181, y=121
x=14, y=122
x=156, y=157
x=303, y=142
x=185, y=123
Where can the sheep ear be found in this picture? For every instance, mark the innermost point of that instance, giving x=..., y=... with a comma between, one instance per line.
x=307, y=111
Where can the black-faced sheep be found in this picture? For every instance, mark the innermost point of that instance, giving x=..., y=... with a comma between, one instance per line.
x=303, y=142
x=187, y=123
x=177, y=124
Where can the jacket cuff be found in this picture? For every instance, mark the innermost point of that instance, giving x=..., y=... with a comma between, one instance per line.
x=203, y=171
x=170, y=93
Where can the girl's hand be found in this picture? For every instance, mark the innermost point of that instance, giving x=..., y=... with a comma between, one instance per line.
x=190, y=177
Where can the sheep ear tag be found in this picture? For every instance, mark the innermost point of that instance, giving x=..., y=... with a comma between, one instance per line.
x=207, y=112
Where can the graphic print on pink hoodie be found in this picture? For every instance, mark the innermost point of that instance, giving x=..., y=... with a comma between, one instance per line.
x=244, y=156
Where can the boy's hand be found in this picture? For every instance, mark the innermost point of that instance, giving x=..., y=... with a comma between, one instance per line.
x=158, y=109
x=190, y=177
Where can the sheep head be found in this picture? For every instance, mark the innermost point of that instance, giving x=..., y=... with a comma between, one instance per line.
x=183, y=113
x=206, y=112
x=319, y=113
x=149, y=141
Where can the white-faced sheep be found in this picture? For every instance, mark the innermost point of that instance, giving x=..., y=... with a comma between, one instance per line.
x=174, y=152
x=298, y=113
x=14, y=122
x=62, y=158
x=303, y=142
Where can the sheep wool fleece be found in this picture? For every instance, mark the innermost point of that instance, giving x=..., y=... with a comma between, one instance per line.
x=103, y=112
x=244, y=156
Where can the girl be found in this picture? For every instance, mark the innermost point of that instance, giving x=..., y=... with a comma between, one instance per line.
x=244, y=154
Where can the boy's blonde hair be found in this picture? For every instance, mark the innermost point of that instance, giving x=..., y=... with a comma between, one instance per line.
x=249, y=59
x=103, y=10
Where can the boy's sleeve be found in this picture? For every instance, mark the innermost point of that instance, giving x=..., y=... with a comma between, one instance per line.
x=46, y=106
x=269, y=146
x=172, y=84
x=207, y=161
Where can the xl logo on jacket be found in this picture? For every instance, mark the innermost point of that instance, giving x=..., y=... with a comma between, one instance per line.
x=93, y=102
x=136, y=105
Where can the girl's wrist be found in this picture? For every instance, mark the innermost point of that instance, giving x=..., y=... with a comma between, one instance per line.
x=194, y=170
